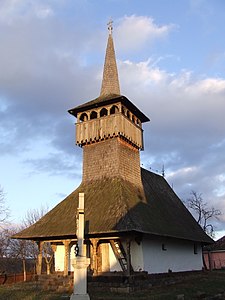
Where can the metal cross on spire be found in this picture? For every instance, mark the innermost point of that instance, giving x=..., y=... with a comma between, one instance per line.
x=110, y=27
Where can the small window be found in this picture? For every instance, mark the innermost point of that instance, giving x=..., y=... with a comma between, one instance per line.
x=195, y=249
x=133, y=119
x=83, y=117
x=123, y=110
x=114, y=109
x=93, y=115
x=128, y=114
x=103, y=112
x=164, y=247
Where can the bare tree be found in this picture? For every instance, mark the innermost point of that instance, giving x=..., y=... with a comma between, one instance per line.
x=203, y=213
x=33, y=215
x=27, y=249
x=4, y=231
x=5, y=250
x=4, y=211
x=5, y=235
x=48, y=254
x=20, y=249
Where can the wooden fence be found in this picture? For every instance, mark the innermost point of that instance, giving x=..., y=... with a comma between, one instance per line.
x=14, y=278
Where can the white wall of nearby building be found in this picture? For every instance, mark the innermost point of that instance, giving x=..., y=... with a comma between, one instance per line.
x=154, y=255
x=59, y=258
x=105, y=257
x=162, y=255
x=71, y=257
x=136, y=253
x=113, y=262
x=136, y=258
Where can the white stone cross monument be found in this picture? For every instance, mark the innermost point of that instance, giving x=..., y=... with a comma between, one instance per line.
x=81, y=262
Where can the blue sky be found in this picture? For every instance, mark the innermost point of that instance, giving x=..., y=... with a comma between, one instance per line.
x=171, y=57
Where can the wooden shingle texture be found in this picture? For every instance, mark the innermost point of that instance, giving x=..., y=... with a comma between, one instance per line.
x=116, y=206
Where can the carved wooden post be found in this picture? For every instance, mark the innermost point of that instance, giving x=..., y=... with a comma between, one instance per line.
x=128, y=258
x=66, y=256
x=94, y=256
x=54, y=247
x=39, y=258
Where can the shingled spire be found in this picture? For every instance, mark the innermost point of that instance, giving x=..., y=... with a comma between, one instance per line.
x=110, y=81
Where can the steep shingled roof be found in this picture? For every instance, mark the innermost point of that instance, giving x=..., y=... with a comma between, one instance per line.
x=110, y=89
x=115, y=205
x=110, y=80
x=218, y=245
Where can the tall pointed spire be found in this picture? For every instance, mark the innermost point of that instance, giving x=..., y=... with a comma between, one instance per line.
x=110, y=81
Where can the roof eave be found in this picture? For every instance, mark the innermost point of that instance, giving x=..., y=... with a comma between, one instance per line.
x=109, y=100
x=113, y=233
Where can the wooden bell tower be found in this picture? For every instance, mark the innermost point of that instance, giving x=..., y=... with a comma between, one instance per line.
x=109, y=129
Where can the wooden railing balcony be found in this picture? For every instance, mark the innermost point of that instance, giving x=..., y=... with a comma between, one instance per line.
x=107, y=127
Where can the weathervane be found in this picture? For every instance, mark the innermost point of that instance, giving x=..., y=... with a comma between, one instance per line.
x=110, y=27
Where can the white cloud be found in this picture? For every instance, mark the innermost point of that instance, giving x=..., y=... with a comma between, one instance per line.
x=208, y=85
x=183, y=94
x=133, y=32
x=184, y=172
x=43, y=11
x=9, y=9
x=14, y=10
x=141, y=73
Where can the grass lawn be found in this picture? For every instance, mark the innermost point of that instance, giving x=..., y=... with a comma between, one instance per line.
x=192, y=287
x=27, y=291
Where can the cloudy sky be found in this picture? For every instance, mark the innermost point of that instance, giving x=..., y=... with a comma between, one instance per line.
x=171, y=58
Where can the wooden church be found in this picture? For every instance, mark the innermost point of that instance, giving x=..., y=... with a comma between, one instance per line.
x=134, y=221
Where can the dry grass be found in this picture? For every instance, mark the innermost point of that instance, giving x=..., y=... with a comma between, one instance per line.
x=205, y=285
x=28, y=291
